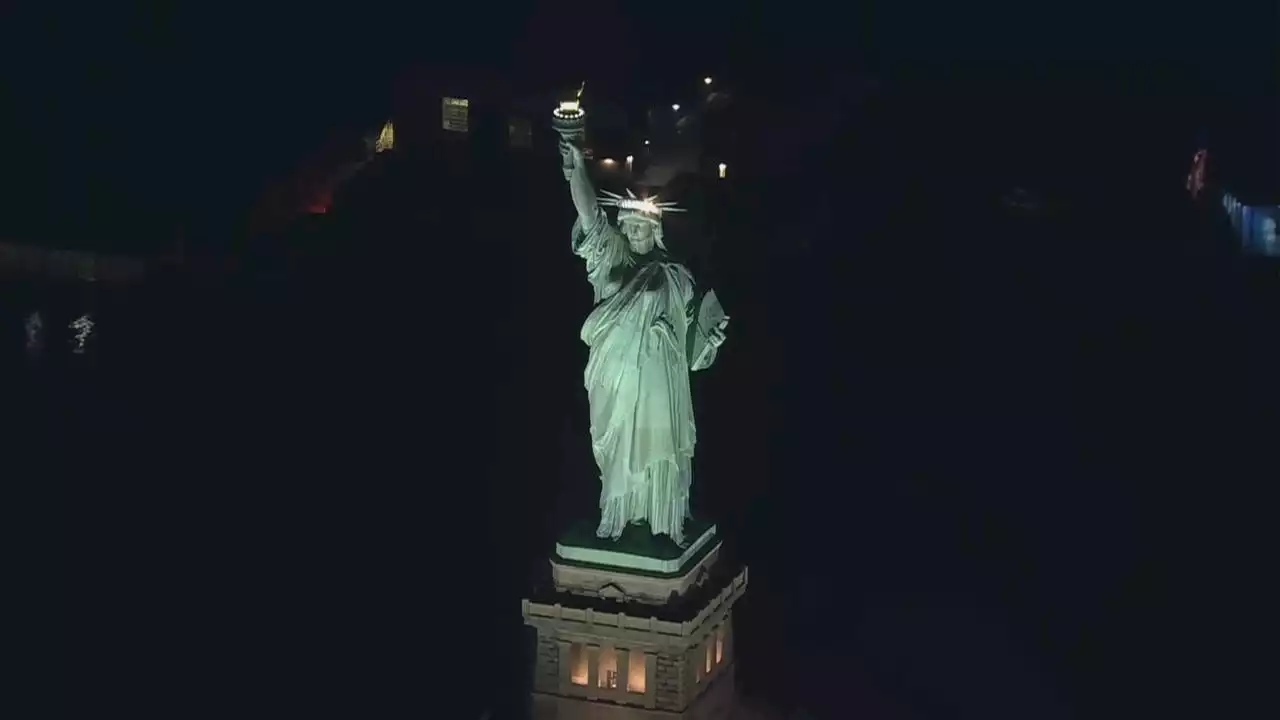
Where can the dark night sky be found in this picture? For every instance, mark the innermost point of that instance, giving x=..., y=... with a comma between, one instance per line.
x=164, y=110
x=165, y=113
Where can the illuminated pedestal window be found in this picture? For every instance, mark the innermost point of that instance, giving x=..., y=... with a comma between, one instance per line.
x=578, y=664
x=614, y=667
x=711, y=655
x=607, y=673
x=635, y=672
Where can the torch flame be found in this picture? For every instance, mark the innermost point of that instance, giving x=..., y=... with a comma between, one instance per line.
x=570, y=108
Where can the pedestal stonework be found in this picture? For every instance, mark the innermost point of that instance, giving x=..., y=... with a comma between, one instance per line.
x=595, y=663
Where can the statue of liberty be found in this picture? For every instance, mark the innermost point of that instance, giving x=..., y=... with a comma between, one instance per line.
x=645, y=337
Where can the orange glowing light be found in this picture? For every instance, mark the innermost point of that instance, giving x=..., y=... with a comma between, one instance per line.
x=635, y=672
x=607, y=676
x=578, y=664
x=321, y=203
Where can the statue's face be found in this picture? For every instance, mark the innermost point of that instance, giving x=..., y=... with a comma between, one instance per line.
x=639, y=235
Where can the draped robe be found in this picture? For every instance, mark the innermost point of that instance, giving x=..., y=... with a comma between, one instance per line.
x=637, y=380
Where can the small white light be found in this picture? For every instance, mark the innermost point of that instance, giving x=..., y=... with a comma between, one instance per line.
x=83, y=327
x=646, y=142
x=630, y=159
x=35, y=330
x=675, y=107
x=706, y=80
x=723, y=169
x=607, y=161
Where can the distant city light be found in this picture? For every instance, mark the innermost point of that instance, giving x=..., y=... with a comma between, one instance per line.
x=454, y=113
x=646, y=142
x=386, y=139
x=35, y=332
x=630, y=159
x=83, y=327
x=675, y=107
x=706, y=80
x=607, y=161
x=723, y=169
x=1195, y=179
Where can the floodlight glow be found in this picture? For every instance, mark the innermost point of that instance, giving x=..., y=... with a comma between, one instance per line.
x=631, y=205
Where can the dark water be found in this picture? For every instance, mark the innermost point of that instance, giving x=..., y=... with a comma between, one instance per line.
x=980, y=464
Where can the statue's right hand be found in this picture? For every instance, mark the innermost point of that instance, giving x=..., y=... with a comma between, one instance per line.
x=572, y=156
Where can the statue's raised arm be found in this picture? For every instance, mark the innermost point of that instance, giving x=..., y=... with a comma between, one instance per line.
x=581, y=189
x=595, y=239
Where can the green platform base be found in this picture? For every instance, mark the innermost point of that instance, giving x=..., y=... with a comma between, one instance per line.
x=638, y=550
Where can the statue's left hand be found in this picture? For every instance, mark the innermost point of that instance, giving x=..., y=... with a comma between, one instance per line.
x=716, y=336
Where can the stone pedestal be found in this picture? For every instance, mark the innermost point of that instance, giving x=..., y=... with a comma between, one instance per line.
x=633, y=629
